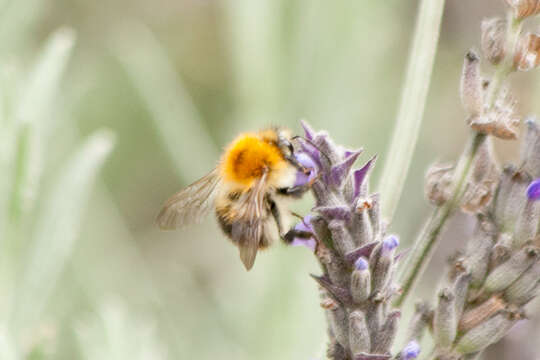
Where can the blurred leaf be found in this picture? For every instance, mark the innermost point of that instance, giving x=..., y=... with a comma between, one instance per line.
x=176, y=118
x=7, y=348
x=34, y=118
x=42, y=85
x=253, y=30
x=16, y=17
x=114, y=334
x=57, y=228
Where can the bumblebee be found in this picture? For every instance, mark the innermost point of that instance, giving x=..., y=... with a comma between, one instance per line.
x=248, y=191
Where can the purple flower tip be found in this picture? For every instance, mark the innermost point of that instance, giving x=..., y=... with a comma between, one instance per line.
x=533, y=191
x=305, y=225
x=411, y=351
x=361, y=263
x=390, y=243
x=308, y=131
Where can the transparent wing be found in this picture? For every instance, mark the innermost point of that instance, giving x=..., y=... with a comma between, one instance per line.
x=191, y=204
x=248, y=231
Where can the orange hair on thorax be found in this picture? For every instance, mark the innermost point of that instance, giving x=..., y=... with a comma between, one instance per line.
x=248, y=157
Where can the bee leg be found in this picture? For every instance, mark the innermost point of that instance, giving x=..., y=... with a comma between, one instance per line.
x=293, y=233
x=294, y=191
x=277, y=216
x=296, y=164
x=287, y=148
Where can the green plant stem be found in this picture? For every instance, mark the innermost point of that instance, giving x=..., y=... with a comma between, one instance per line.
x=425, y=245
x=413, y=100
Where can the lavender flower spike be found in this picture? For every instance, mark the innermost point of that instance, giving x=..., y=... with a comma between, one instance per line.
x=533, y=191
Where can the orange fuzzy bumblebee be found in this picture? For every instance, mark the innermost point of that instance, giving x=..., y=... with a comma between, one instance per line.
x=248, y=191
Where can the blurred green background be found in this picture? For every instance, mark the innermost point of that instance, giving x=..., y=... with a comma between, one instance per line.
x=107, y=108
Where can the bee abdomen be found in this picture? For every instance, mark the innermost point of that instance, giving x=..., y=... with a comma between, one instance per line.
x=227, y=222
x=222, y=215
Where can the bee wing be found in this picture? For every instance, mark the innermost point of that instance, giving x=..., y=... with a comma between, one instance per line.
x=191, y=204
x=249, y=231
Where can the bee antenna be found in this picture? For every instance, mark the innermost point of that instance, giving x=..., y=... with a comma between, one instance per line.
x=312, y=144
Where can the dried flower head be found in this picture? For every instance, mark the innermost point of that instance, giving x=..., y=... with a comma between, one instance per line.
x=524, y=8
x=438, y=188
x=527, y=56
x=493, y=39
x=500, y=120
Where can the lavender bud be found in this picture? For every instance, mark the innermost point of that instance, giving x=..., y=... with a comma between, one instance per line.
x=524, y=8
x=365, y=356
x=390, y=243
x=411, y=351
x=385, y=337
x=477, y=256
x=381, y=262
x=502, y=249
x=481, y=184
x=338, y=212
x=461, y=288
x=493, y=39
x=361, y=264
x=530, y=151
x=524, y=288
x=479, y=314
x=511, y=197
x=527, y=56
x=339, y=323
x=485, y=334
x=374, y=317
x=438, y=186
x=375, y=215
x=362, y=228
x=506, y=273
x=423, y=316
x=528, y=221
x=360, y=281
x=358, y=333
x=343, y=241
x=471, y=85
x=533, y=190
x=445, y=321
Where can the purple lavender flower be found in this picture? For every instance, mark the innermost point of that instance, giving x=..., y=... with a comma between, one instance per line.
x=533, y=191
x=361, y=263
x=411, y=351
x=305, y=225
x=306, y=161
x=390, y=243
